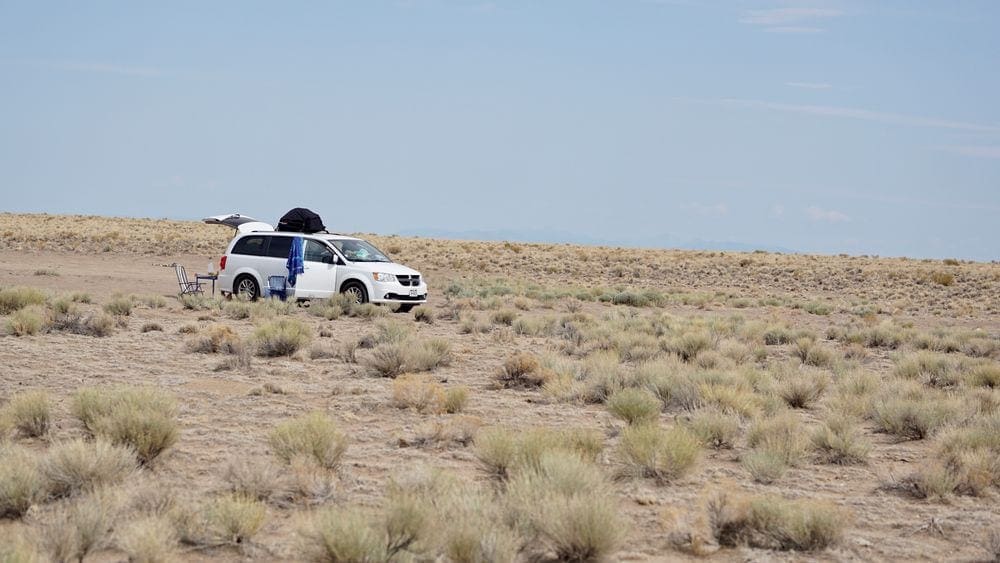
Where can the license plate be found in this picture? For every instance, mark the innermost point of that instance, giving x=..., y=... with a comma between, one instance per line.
x=413, y=293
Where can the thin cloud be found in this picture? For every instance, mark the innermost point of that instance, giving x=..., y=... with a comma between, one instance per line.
x=819, y=214
x=976, y=151
x=777, y=210
x=93, y=67
x=715, y=210
x=802, y=21
x=851, y=113
x=788, y=16
x=810, y=85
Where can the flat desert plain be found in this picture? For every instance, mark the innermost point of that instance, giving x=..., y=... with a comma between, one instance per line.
x=550, y=402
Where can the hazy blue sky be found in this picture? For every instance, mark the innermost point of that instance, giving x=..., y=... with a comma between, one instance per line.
x=824, y=126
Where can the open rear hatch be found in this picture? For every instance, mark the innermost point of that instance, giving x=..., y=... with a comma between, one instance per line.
x=241, y=223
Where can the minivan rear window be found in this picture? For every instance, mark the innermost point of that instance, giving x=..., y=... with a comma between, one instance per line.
x=278, y=247
x=254, y=246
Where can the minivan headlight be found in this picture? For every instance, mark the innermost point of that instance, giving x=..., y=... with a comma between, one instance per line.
x=380, y=277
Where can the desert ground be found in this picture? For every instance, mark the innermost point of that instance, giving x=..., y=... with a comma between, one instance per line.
x=694, y=405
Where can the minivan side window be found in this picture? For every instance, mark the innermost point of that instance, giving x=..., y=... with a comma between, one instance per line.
x=254, y=246
x=278, y=247
x=316, y=251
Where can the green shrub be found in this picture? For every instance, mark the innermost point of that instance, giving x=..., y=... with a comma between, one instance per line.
x=15, y=298
x=28, y=413
x=282, y=337
x=314, y=435
x=635, y=406
x=21, y=483
x=666, y=455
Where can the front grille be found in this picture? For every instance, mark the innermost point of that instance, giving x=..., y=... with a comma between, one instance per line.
x=408, y=281
x=397, y=297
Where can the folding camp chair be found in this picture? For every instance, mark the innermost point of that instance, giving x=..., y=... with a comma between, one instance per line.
x=187, y=287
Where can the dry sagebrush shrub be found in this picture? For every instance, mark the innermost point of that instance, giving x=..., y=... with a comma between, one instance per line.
x=314, y=435
x=21, y=482
x=82, y=525
x=80, y=465
x=520, y=370
x=839, y=439
x=334, y=535
x=470, y=323
x=502, y=450
x=281, y=337
x=504, y=317
x=566, y=507
x=142, y=418
x=635, y=406
x=687, y=346
x=970, y=455
x=771, y=522
x=15, y=298
x=456, y=430
x=648, y=450
x=28, y=413
x=217, y=338
x=27, y=321
x=811, y=353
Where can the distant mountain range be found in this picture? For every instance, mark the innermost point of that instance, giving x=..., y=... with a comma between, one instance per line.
x=551, y=236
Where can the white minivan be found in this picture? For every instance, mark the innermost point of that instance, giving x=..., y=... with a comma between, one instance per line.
x=332, y=264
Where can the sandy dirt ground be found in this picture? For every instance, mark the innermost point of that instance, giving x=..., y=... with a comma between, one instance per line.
x=222, y=419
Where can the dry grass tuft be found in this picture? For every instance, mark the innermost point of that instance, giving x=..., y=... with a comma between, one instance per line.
x=914, y=417
x=149, y=539
x=771, y=522
x=714, y=428
x=83, y=525
x=455, y=399
x=502, y=450
x=423, y=314
x=839, y=439
x=281, y=337
x=21, y=483
x=27, y=321
x=78, y=466
x=28, y=413
x=118, y=307
x=142, y=418
x=648, y=450
x=635, y=406
x=16, y=298
x=566, y=507
x=217, y=338
x=314, y=435
x=418, y=392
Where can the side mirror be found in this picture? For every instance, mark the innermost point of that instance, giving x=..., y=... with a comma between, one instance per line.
x=329, y=260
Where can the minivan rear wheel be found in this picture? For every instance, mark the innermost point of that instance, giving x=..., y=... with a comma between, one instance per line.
x=246, y=287
x=355, y=292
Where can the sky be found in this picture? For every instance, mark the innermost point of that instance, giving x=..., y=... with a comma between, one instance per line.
x=826, y=126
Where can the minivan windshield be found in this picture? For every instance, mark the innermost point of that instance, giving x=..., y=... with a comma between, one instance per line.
x=359, y=251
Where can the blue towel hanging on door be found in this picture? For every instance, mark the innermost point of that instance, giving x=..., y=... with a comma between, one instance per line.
x=296, y=262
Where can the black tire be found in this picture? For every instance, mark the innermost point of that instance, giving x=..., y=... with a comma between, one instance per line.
x=355, y=289
x=246, y=285
x=405, y=308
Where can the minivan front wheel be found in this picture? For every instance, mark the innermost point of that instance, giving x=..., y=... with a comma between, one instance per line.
x=247, y=288
x=355, y=292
